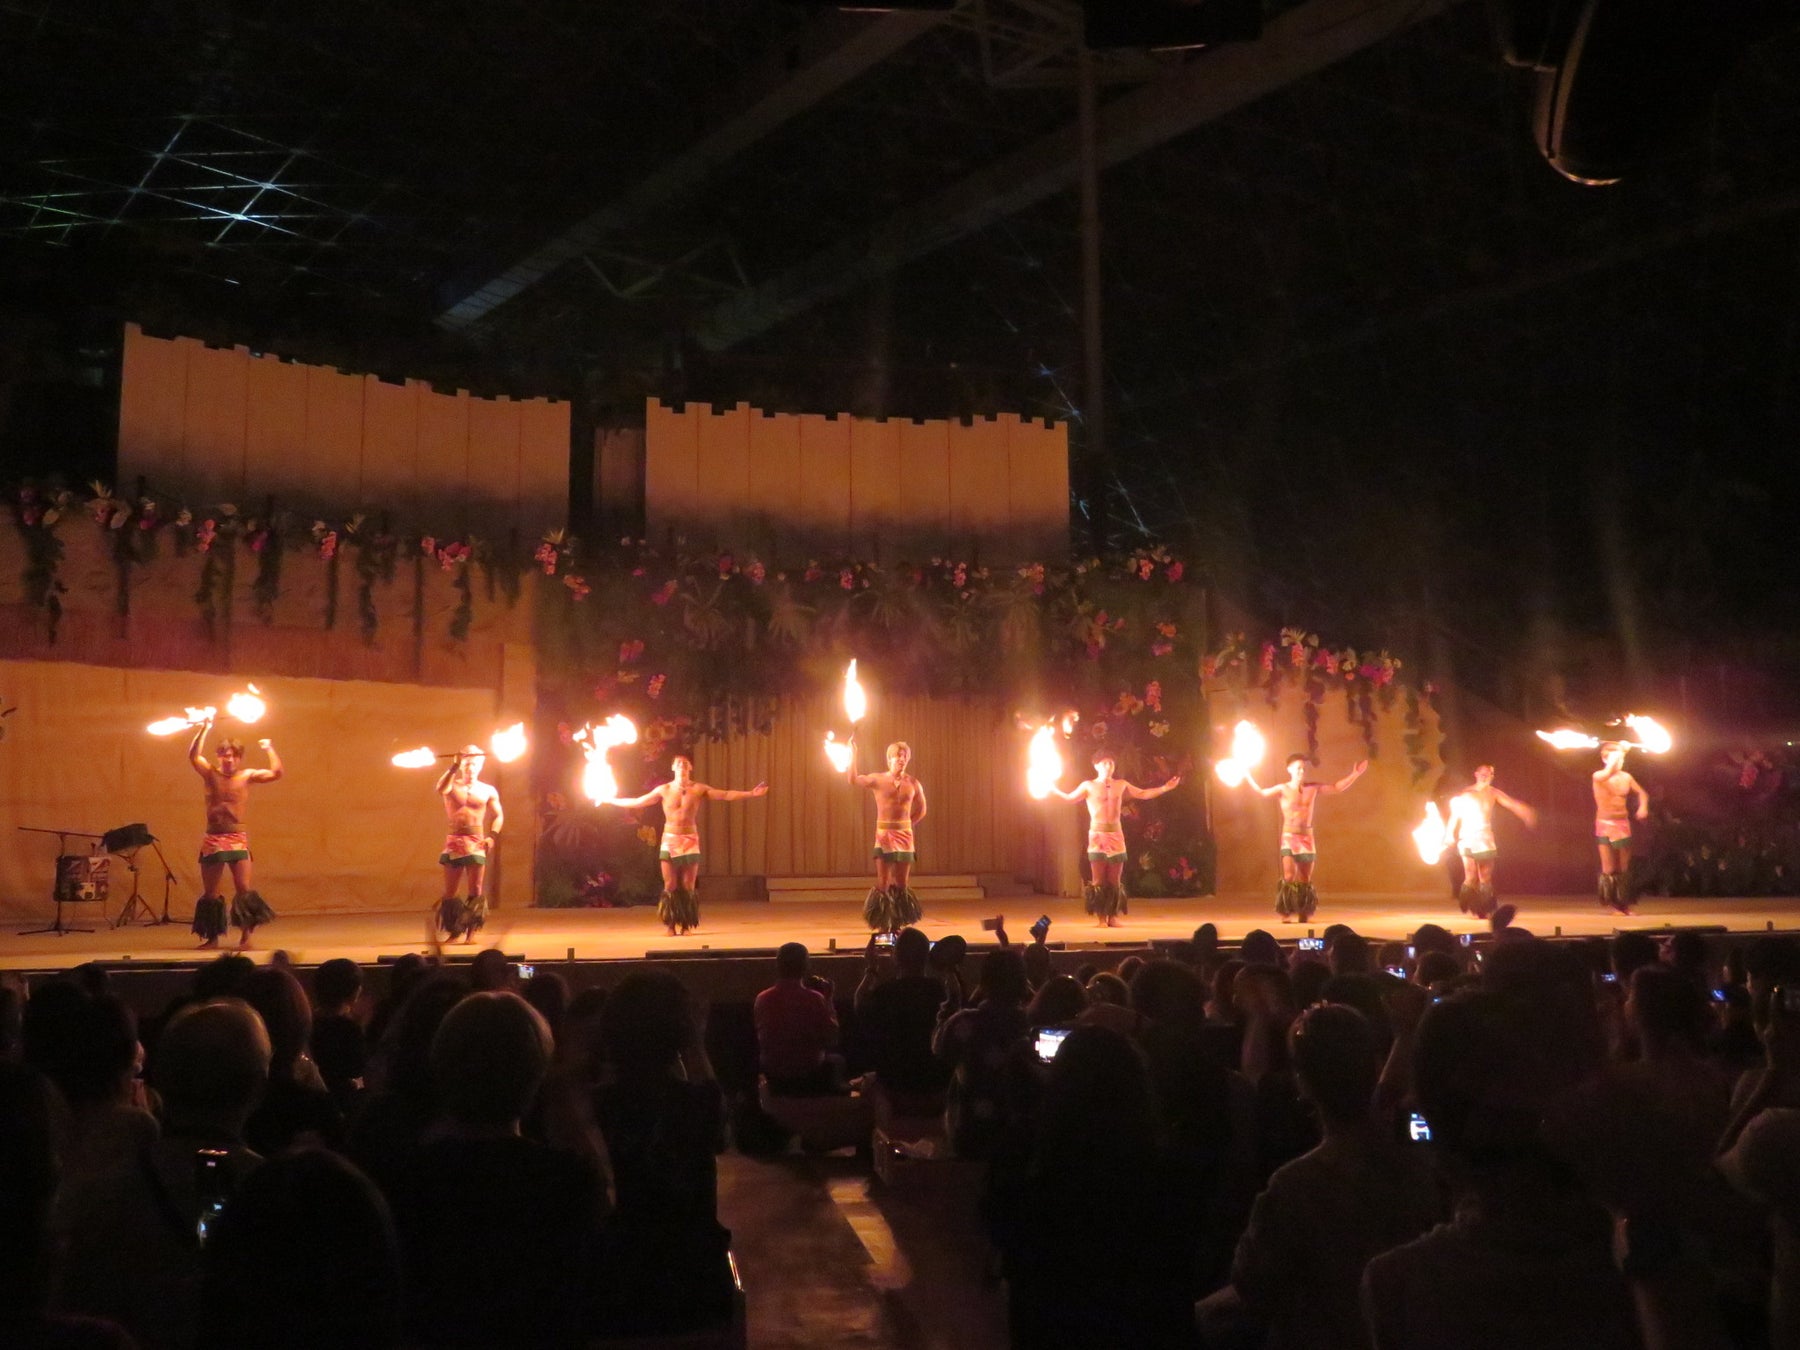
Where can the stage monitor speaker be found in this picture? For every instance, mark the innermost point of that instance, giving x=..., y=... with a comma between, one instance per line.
x=1169, y=25
x=1636, y=74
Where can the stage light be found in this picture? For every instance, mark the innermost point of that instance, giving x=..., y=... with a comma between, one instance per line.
x=1169, y=25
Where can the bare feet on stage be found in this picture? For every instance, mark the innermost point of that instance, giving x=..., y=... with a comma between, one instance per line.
x=211, y=944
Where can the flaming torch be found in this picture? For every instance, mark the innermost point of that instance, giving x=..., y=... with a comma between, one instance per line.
x=422, y=758
x=190, y=717
x=838, y=752
x=1651, y=737
x=597, y=781
x=1247, y=749
x=1045, y=764
x=508, y=744
x=1431, y=837
x=856, y=703
x=1564, y=738
x=247, y=705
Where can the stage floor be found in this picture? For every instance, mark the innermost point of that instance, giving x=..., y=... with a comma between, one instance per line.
x=627, y=934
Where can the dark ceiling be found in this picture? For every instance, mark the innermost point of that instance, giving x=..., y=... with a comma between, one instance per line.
x=1367, y=355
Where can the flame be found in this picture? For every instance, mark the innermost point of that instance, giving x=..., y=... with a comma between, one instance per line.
x=1045, y=765
x=838, y=752
x=1431, y=836
x=247, y=706
x=1247, y=750
x=190, y=717
x=509, y=743
x=422, y=758
x=1247, y=745
x=597, y=781
x=856, y=703
x=1565, y=739
x=1069, y=720
x=1651, y=736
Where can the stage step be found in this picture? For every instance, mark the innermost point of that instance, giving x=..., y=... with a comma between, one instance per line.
x=789, y=890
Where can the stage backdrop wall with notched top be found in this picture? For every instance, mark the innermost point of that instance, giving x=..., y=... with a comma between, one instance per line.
x=342, y=831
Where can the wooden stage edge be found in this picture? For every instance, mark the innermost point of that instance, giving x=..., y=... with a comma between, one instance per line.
x=544, y=935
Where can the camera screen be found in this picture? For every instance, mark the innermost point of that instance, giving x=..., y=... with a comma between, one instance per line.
x=1417, y=1129
x=1312, y=944
x=884, y=939
x=1466, y=939
x=1398, y=972
x=1609, y=976
x=1049, y=1041
x=526, y=972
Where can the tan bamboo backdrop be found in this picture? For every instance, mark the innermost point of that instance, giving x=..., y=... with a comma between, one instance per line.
x=343, y=830
x=968, y=755
x=218, y=423
x=786, y=484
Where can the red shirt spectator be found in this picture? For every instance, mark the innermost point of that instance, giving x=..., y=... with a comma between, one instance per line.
x=795, y=1022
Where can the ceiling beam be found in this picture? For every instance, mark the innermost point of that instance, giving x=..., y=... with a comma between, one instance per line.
x=1299, y=43
x=824, y=56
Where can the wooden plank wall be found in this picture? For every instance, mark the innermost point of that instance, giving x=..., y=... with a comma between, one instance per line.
x=209, y=424
x=782, y=484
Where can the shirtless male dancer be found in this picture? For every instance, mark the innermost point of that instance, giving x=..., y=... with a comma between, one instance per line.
x=226, y=843
x=1612, y=823
x=466, y=803
x=1295, y=897
x=679, y=904
x=899, y=805
x=1105, y=797
x=1472, y=827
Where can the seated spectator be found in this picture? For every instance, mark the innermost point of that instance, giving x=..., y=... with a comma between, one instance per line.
x=1221, y=1003
x=1350, y=955
x=1037, y=963
x=295, y=1109
x=663, y=1117
x=1527, y=1258
x=95, y=1069
x=1307, y=979
x=1082, y=1268
x=978, y=1045
x=402, y=1100
x=1206, y=950
x=1129, y=967
x=490, y=970
x=581, y=1051
x=498, y=1233
x=408, y=969
x=797, y=1029
x=1259, y=948
x=1631, y=949
x=1284, y=1127
x=130, y=1248
x=895, y=1018
x=222, y=977
x=1057, y=1003
x=1207, y=1113
x=1684, y=952
x=304, y=1256
x=548, y=992
x=1435, y=967
x=28, y=1181
x=1298, y=1268
x=340, y=1048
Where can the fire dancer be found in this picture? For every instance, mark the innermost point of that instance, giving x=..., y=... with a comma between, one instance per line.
x=679, y=904
x=1295, y=897
x=1472, y=827
x=466, y=803
x=1612, y=823
x=226, y=843
x=899, y=805
x=1105, y=796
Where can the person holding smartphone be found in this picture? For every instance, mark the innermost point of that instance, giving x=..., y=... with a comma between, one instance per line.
x=1105, y=796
